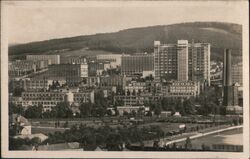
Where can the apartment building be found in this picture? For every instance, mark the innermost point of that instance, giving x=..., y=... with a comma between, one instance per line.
x=137, y=63
x=182, y=61
x=237, y=75
x=51, y=99
x=114, y=59
x=184, y=89
x=53, y=59
x=72, y=73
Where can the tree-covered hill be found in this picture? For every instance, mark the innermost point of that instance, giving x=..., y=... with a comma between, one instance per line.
x=220, y=35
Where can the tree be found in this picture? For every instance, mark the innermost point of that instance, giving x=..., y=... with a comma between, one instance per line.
x=128, y=93
x=100, y=111
x=62, y=110
x=188, y=144
x=149, y=113
x=114, y=142
x=174, y=146
x=109, y=112
x=140, y=111
x=100, y=139
x=85, y=109
x=34, y=112
x=156, y=144
x=139, y=92
x=99, y=99
x=157, y=110
x=149, y=78
x=17, y=92
x=133, y=113
x=15, y=109
x=125, y=113
x=66, y=124
x=48, y=114
x=89, y=140
x=133, y=93
x=189, y=106
x=119, y=103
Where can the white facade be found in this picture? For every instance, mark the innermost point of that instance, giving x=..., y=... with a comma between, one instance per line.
x=26, y=130
x=115, y=59
x=182, y=57
x=148, y=73
x=53, y=59
x=84, y=70
x=51, y=99
x=184, y=89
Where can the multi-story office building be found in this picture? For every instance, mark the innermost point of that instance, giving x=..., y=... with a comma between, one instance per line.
x=92, y=68
x=53, y=59
x=184, y=89
x=97, y=68
x=136, y=64
x=182, y=61
x=84, y=69
x=116, y=80
x=133, y=100
x=237, y=76
x=135, y=88
x=199, y=62
x=72, y=73
x=114, y=59
x=165, y=61
x=182, y=58
x=235, y=94
x=51, y=99
x=35, y=84
x=92, y=81
x=20, y=68
x=72, y=60
x=130, y=109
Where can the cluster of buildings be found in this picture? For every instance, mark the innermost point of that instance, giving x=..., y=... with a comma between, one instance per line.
x=180, y=70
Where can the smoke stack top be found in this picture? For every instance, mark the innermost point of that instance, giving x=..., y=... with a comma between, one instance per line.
x=227, y=75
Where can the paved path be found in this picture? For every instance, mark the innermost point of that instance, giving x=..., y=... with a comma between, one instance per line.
x=203, y=134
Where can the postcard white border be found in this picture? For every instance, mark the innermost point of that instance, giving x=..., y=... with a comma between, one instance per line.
x=87, y=154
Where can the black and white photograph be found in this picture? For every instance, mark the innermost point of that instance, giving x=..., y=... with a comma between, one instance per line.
x=122, y=79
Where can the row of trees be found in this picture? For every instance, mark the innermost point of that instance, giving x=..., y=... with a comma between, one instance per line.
x=61, y=110
x=111, y=138
x=206, y=103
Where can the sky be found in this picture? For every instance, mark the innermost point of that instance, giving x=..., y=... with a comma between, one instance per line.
x=29, y=21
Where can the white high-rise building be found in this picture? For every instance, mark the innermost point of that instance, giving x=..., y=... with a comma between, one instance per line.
x=182, y=61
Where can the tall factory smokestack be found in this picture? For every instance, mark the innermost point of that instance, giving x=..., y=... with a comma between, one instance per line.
x=227, y=68
x=230, y=98
x=227, y=78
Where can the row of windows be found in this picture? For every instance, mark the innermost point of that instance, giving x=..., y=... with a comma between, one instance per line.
x=45, y=102
x=180, y=94
x=182, y=84
x=182, y=88
x=81, y=99
x=42, y=98
x=42, y=95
